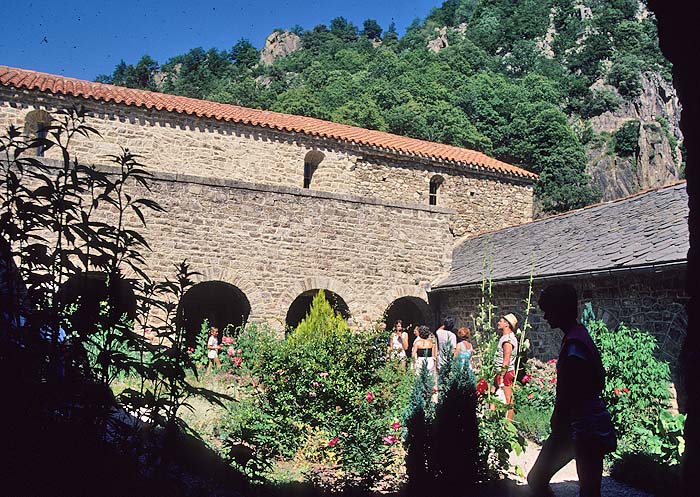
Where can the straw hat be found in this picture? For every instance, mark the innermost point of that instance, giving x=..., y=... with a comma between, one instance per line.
x=512, y=321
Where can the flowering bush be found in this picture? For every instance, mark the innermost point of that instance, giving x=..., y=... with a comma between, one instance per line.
x=534, y=397
x=326, y=394
x=638, y=401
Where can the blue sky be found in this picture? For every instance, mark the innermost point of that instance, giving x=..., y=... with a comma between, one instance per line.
x=82, y=39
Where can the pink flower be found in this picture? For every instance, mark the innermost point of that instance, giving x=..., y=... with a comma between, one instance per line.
x=389, y=440
x=435, y=390
x=552, y=361
x=227, y=340
x=482, y=386
x=230, y=351
x=237, y=361
x=617, y=391
x=333, y=442
x=625, y=389
x=526, y=378
x=323, y=375
x=314, y=384
x=553, y=380
x=530, y=395
x=190, y=350
x=395, y=425
x=312, y=394
x=370, y=397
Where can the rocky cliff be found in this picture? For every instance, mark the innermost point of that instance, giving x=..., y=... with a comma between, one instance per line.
x=656, y=159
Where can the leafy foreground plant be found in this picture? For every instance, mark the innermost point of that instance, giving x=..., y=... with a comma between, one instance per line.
x=58, y=369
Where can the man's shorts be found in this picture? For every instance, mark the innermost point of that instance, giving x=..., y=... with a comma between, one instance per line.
x=507, y=379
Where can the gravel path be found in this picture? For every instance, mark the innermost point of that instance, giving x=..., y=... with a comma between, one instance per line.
x=564, y=483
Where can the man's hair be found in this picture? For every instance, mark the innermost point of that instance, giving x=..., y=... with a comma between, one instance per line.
x=448, y=323
x=559, y=297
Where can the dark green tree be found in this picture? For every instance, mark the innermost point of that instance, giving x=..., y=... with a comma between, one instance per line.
x=371, y=29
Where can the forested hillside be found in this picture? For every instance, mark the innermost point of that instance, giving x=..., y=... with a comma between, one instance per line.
x=574, y=90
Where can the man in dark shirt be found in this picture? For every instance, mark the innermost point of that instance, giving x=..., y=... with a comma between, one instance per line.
x=581, y=425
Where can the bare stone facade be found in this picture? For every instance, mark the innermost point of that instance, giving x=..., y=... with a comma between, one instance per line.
x=174, y=143
x=238, y=213
x=651, y=301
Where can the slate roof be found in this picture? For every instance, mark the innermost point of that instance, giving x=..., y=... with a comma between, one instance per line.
x=59, y=85
x=649, y=228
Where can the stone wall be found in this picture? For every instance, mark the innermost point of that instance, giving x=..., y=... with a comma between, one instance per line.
x=652, y=301
x=180, y=144
x=273, y=243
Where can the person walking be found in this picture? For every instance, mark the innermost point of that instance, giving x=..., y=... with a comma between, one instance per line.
x=581, y=425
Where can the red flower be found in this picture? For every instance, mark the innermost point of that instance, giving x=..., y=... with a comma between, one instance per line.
x=333, y=442
x=395, y=425
x=482, y=386
x=526, y=378
x=553, y=380
x=230, y=351
x=552, y=361
x=530, y=395
x=625, y=389
x=435, y=390
x=370, y=397
x=617, y=391
x=389, y=440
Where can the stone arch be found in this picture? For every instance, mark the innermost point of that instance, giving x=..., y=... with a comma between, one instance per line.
x=301, y=304
x=36, y=124
x=220, y=303
x=408, y=303
x=311, y=162
x=308, y=287
x=88, y=290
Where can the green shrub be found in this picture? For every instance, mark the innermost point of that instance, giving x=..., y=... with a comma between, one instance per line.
x=637, y=393
x=322, y=395
x=627, y=139
x=532, y=423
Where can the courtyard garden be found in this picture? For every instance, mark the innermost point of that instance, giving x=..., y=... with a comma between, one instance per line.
x=322, y=406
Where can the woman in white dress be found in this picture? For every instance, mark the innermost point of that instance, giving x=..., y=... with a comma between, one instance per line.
x=424, y=351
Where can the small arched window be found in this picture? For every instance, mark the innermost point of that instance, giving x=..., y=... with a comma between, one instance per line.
x=435, y=183
x=311, y=162
x=36, y=126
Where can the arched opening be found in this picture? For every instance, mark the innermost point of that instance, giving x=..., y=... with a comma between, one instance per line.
x=435, y=184
x=311, y=162
x=301, y=305
x=91, y=293
x=221, y=303
x=36, y=126
x=412, y=312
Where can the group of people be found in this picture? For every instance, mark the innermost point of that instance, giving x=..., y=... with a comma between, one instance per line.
x=430, y=349
x=581, y=426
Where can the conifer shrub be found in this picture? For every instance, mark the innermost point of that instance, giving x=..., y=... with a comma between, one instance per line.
x=442, y=441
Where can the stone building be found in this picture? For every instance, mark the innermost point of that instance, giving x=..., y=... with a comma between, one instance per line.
x=270, y=207
x=627, y=257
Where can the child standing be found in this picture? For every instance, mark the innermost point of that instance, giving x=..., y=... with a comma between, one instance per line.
x=213, y=348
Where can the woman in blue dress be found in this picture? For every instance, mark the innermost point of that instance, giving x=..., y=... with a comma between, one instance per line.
x=464, y=350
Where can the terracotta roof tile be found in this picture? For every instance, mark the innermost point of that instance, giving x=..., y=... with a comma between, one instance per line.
x=31, y=80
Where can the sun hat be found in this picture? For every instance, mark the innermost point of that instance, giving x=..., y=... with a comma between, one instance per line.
x=512, y=321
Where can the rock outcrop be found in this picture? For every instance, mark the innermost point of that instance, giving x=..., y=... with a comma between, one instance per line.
x=279, y=44
x=658, y=157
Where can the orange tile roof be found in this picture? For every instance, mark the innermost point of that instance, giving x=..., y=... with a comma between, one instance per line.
x=32, y=80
